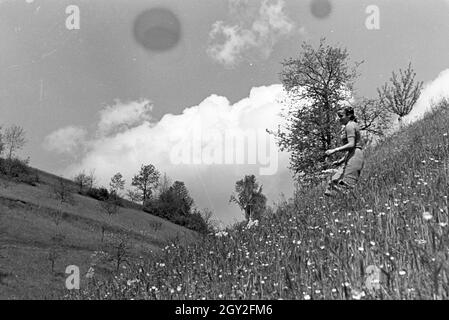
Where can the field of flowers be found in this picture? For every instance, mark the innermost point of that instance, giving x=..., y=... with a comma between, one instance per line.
x=386, y=240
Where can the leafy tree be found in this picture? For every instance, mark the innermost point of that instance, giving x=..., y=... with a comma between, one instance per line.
x=133, y=196
x=249, y=197
x=182, y=199
x=317, y=83
x=117, y=183
x=82, y=180
x=14, y=140
x=400, y=95
x=145, y=181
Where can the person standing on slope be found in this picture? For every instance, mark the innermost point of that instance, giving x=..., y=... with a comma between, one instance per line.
x=351, y=165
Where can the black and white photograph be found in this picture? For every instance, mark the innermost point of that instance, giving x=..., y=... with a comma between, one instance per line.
x=239, y=152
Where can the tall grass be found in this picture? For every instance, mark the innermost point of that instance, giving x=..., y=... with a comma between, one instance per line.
x=311, y=247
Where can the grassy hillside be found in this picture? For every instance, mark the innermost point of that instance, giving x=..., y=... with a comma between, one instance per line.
x=36, y=228
x=386, y=240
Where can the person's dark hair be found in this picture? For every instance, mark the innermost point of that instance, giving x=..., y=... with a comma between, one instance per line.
x=349, y=111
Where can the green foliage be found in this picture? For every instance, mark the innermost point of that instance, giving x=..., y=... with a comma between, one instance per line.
x=100, y=194
x=249, y=197
x=176, y=205
x=117, y=183
x=82, y=180
x=145, y=181
x=317, y=83
x=18, y=170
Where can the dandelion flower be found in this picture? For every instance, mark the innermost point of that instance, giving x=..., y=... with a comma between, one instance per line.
x=427, y=215
x=357, y=295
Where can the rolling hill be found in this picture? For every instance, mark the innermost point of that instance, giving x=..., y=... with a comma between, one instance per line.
x=36, y=228
x=388, y=239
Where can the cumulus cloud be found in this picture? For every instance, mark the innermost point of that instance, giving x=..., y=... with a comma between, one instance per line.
x=193, y=147
x=433, y=92
x=250, y=33
x=65, y=140
x=124, y=115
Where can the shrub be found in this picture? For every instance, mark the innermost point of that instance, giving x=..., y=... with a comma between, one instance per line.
x=19, y=171
x=100, y=194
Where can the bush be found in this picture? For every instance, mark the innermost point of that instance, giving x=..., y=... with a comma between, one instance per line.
x=18, y=170
x=100, y=194
x=193, y=221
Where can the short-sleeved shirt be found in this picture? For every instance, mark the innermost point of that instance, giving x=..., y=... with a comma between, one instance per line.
x=352, y=130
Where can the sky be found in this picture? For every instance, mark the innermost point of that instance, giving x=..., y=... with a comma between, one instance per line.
x=167, y=82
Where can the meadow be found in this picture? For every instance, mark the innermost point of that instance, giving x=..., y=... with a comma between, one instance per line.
x=40, y=236
x=388, y=239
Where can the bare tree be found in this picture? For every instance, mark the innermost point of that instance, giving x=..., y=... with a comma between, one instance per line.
x=164, y=184
x=400, y=95
x=120, y=250
x=373, y=119
x=62, y=191
x=110, y=206
x=14, y=140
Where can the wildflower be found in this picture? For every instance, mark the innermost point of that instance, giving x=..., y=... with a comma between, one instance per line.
x=369, y=211
x=179, y=288
x=220, y=296
x=427, y=215
x=357, y=295
x=334, y=290
x=90, y=273
x=130, y=282
x=402, y=273
x=443, y=224
x=361, y=249
x=372, y=243
x=306, y=297
x=221, y=234
x=252, y=223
